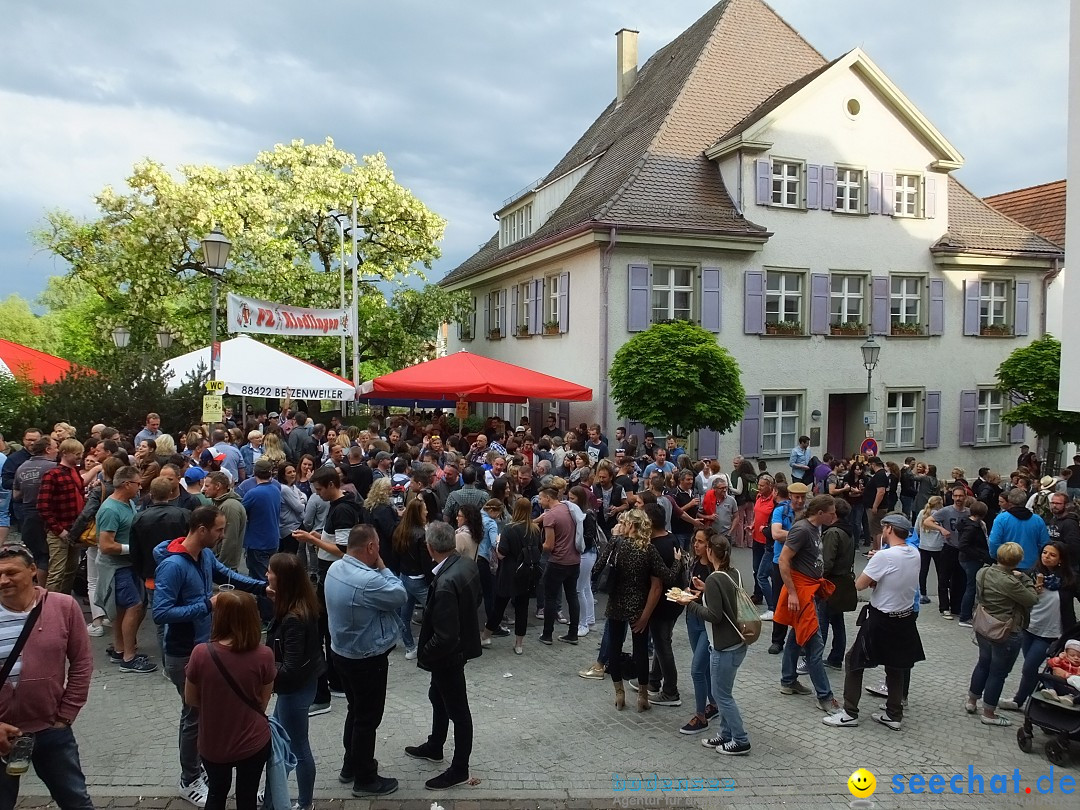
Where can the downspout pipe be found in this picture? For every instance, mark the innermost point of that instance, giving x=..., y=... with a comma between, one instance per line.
x=605, y=283
x=1047, y=280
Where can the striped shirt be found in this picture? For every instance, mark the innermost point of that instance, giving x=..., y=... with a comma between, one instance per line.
x=11, y=625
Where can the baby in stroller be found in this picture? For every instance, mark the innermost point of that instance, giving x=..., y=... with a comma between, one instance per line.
x=1065, y=666
x=1055, y=708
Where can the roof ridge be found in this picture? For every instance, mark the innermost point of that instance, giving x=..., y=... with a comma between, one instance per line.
x=1025, y=188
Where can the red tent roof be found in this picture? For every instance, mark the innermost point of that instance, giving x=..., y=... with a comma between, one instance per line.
x=30, y=364
x=475, y=378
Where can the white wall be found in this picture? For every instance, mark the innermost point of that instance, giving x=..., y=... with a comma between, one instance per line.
x=1069, y=397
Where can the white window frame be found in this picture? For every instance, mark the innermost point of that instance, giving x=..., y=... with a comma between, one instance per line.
x=990, y=406
x=498, y=317
x=850, y=196
x=551, y=300
x=787, y=181
x=466, y=329
x=773, y=422
x=845, y=296
x=524, y=311
x=904, y=297
x=898, y=404
x=907, y=195
x=785, y=294
x=516, y=225
x=670, y=290
x=987, y=317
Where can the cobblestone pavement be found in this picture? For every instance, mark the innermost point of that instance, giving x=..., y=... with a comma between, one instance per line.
x=546, y=738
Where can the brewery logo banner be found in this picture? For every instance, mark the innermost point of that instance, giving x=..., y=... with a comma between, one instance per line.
x=269, y=318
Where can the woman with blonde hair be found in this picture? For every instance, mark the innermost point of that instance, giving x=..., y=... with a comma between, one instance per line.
x=518, y=552
x=230, y=680
x=638, y=568
x=930, y=544
x=272, y=444
x=385, y=519
x=166, y=446
x=61, y=431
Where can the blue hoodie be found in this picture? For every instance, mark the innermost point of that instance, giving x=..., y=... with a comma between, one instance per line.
x=1018, y=524
x=182, y=590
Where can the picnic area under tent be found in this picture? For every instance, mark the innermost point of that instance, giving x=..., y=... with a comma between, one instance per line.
x=253, y=369
x=473, y=378
x=31, y=365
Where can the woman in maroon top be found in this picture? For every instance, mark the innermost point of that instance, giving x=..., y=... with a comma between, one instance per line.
x=232, y=733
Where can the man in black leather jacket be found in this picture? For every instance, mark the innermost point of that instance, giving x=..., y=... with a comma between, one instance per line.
x=449, y=637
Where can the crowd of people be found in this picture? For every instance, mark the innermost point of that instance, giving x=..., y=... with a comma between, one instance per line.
x=284, y=557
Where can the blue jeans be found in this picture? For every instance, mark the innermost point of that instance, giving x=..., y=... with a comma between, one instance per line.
x=190, y=763
x=967, y=605
x=1034, y=649
x=725, y=665
x=56, y=762
x=758, y=551
x=996, y=659
x=836, y=622
x=417, y=589
x=5, y=508
x=292, y=712
x=700, y=662
x=858, y=522
x=763, y=576
x=814, y=648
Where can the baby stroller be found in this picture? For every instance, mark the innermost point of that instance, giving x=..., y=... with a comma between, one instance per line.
x=1056, y=718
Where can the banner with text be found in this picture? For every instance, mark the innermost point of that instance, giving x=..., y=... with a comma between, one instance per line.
x=269, y=318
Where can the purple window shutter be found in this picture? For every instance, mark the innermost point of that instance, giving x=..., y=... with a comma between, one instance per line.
x=969, y=401
x=487, y=315
x=536, y=317
x=564, y=302
x=764, y=181
x=1022, y=297
x=932, y=415
x=711, y=298
x=937, y=306
x=754, y=303
x=637, y=318
x=873, y=199
x=879, y=305
x=708, y=443
x=502, y=303
x=515, y=292
x=971, y=307
x=930, y=197
x=750, y=429
x=1016, y=432
x=813, y=185
x=888, y=193
x=828, y=188
x=819, y=304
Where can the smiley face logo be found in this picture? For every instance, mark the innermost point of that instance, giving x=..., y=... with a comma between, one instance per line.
x=862, y=784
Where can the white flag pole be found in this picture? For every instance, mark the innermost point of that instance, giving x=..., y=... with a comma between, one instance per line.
x=355, y=298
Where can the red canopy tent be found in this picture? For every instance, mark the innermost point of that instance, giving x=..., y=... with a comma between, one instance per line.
x=474, y=378
x=31, y=365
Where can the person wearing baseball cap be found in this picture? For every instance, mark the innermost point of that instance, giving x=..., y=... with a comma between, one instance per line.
x=888, y=634
x=193, y=482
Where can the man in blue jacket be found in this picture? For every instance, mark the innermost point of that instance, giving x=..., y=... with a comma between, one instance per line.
x=186, y=573
x=1018, y=524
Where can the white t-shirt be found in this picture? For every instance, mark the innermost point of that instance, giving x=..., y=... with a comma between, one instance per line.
x=895, y=569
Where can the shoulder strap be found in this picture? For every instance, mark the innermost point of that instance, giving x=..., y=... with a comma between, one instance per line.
x=16, y=651
x=251, y=704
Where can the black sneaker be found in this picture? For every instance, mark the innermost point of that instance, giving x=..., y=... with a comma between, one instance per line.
x=316, y=709
x=732, y=748
x=379, y=786
x=664, y=699
x=502, y=632
x=546, y=640
x=776, y=649
x=114, y=656
x=424, y=752
x=568, y=640
x=346, y=776
x=139, y=665
x=447, y=779
x=834, y=664
x=711, y=711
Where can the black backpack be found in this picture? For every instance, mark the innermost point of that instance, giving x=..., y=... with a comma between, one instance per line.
x=527, y=574
x=767, y=528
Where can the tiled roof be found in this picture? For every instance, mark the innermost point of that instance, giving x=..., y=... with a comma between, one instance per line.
x=652, y=171
x=977, y=227
x=1041, y=208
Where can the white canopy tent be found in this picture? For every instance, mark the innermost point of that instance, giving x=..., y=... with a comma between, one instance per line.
x=253, y=369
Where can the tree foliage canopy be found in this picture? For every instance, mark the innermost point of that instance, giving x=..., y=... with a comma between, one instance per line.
x=1030, y=377
x=139, y=262
x=675, y=375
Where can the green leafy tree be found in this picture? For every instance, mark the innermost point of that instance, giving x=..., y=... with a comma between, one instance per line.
x=139, y=262
x=18, y=406
x=675, y=375
x=19, y=324
x=1030, y=377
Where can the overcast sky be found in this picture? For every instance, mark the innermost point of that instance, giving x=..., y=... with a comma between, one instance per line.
x=470, y=101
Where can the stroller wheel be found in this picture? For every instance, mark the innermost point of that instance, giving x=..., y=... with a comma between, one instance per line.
x=1023, y=740
x=1057, y=753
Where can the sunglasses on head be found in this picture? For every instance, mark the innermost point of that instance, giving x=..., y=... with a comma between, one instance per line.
x=16, y=550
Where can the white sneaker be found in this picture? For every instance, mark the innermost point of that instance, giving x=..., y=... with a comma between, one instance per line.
x=195, y=793
x=410, y=655
x=95, y=630
x=582, y=630
x=766, y=616
x=840, y=720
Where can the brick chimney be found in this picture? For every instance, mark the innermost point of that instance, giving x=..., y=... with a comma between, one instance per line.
x=626, y=62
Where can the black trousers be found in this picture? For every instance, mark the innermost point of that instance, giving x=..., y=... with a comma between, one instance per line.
x=925, y=557
x=663, y=662
x=248, y=773
x=329, y=679
x=450, y=701
x=364, y=680
x=565, y=576
x=521, y=613
x=617, y=629
x=951, y=580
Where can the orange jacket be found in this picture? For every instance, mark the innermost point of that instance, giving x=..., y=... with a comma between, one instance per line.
x=805, y=621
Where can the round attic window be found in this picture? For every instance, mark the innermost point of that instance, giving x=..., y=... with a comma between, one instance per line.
x=853, y=107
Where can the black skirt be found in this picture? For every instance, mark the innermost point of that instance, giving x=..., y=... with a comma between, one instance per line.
x=886, y=641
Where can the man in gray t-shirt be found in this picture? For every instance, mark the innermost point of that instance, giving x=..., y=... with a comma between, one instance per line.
x=804, y=539
x=948, y=518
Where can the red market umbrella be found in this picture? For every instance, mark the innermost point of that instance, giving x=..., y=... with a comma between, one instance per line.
x=474, y=378
x=31, y=365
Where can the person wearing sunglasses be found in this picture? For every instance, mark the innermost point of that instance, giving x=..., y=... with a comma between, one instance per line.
x=43, y=644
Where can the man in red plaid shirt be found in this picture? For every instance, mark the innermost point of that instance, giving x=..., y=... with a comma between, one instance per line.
x=60, y=500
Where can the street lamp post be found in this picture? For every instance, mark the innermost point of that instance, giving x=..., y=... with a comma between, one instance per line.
x=870, y=351
x=216, y=249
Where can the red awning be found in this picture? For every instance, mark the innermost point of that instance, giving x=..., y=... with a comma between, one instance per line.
x=474, y=378
x=31, y=365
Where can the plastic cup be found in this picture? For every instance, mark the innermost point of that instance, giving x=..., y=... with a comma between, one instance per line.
x=18, y=761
